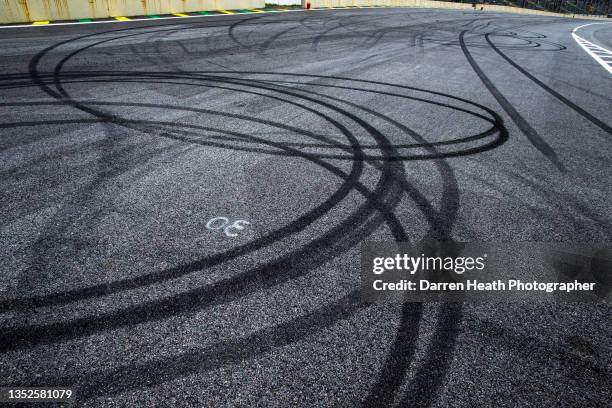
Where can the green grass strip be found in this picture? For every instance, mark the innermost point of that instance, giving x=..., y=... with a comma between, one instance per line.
x=153, y=16
x=85, y=20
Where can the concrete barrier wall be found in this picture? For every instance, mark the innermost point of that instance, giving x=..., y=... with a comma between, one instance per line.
x=15, y=11
x=284, y=2
x=18, y=11
x=434, y=4
x=423, y=4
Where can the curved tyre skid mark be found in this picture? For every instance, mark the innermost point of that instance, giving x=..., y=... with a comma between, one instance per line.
x=381, y=200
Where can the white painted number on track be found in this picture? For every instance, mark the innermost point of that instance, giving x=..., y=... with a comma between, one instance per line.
x=230, y=229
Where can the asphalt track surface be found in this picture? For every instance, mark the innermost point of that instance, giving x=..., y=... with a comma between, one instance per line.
x=119, y=142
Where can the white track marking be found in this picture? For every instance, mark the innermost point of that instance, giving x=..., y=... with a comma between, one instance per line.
x=600, y=54
x=223, y=223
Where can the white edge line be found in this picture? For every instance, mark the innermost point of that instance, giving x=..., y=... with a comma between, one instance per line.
x=584, y=25
x=581, y=42
x=143, y=19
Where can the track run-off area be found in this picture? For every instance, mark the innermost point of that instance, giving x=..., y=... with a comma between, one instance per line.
x=184, y=204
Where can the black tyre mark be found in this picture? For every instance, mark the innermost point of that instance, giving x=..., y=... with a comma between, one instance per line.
x=605, y=127
x=389, y=190
x=536, y=140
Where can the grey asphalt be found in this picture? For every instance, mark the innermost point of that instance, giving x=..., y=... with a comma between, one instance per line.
x=120, y=142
